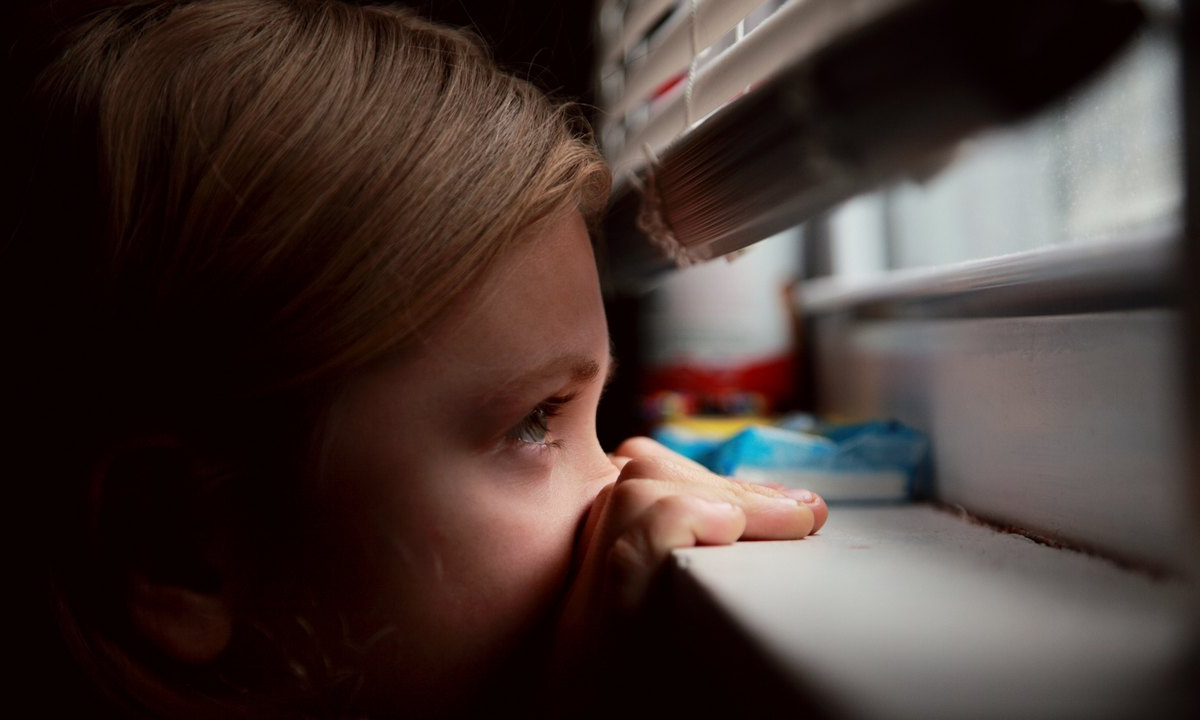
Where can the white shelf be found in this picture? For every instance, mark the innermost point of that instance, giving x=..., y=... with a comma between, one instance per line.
x=912, y=612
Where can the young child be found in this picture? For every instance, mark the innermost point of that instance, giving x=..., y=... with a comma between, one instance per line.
x=307, y=344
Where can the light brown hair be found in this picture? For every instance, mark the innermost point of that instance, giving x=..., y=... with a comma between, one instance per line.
x=233, y=204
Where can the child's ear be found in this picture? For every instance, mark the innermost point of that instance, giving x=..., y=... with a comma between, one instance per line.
x=159, y=518
x=187, y=625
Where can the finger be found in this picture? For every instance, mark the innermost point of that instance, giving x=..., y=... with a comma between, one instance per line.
x=670, y=523
x=775, y=517
x=674, y=466
x=772, y=485
x=676, y=470
x=815, y=503
x=644, y=447
x=770, y=514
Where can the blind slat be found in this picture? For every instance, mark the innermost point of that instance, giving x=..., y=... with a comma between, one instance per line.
x=784, y=38
x=672, y=49
x=639, y=18
x=872, y=90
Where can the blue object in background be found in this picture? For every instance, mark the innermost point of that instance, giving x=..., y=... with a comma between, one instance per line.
x=877, y=444
x=770, y=447
x=879, y=460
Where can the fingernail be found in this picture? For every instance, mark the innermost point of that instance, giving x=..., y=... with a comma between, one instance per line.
x=804, y=496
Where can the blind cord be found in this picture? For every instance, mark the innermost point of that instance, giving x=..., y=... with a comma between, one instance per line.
x=691, y=79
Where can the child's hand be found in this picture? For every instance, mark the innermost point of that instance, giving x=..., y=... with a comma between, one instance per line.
x=662, y=501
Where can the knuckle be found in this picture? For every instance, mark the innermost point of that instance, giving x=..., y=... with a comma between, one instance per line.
x=668, y=508
x=635, y=446
x=633, y=495
x=628, y=556
x=640, y=468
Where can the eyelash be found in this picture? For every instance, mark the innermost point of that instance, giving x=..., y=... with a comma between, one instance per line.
x=534, y=428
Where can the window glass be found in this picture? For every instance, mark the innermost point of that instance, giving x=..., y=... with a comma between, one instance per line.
x=1103, y=164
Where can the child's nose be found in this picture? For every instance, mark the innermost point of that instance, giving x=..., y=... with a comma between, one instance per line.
x=603, y=469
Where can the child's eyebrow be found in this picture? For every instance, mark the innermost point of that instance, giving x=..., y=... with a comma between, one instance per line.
x=585, y=371
x=579, y=368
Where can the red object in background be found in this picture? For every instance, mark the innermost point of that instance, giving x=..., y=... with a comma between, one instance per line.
x=772, y=379
x=667, y=85
x=720, y=337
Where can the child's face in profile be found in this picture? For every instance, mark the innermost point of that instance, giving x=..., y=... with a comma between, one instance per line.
x=477, y=455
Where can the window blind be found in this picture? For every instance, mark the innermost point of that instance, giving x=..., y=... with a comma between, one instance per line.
x=726, y=121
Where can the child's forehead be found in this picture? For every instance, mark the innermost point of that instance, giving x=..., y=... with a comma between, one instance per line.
x=537, y=313
x=553, y=265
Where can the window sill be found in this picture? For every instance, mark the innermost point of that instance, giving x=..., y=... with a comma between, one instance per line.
x=911, y=612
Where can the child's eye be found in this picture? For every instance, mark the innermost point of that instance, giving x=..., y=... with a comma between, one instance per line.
x=534, y=428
